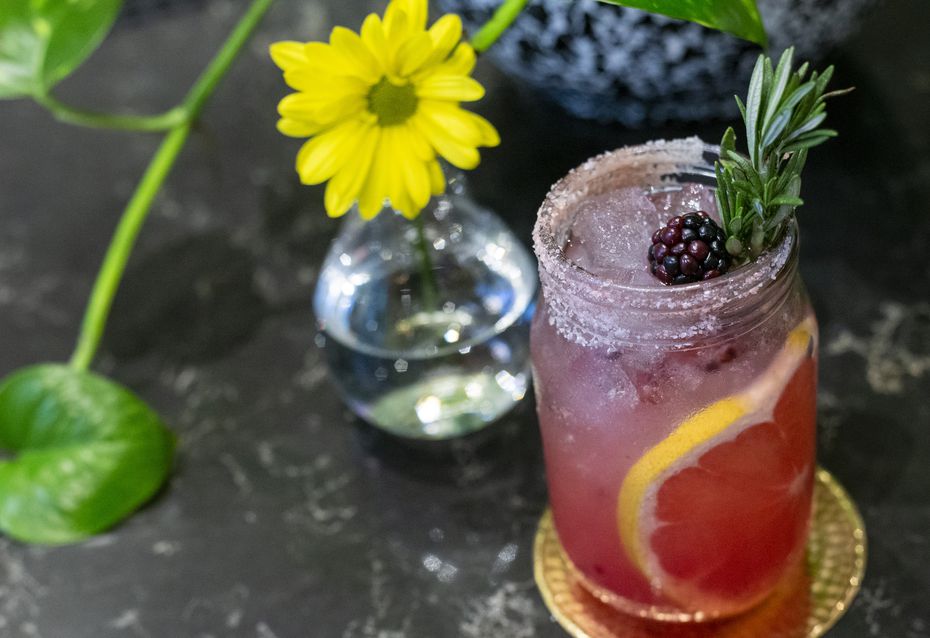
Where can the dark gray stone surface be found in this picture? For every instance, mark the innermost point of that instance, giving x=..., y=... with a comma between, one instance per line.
x=286, y=516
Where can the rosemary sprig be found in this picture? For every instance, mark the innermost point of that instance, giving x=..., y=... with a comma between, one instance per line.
x=757, y=194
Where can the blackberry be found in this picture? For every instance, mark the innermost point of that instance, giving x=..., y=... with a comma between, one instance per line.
x=689, y=248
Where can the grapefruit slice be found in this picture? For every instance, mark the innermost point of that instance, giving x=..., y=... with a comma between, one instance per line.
x=713, y=514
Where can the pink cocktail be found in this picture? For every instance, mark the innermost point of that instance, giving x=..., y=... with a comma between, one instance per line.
x=678, y=422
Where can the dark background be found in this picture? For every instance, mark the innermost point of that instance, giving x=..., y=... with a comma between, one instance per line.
x=288, y=517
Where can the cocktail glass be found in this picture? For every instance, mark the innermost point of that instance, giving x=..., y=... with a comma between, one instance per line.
x=678, y=421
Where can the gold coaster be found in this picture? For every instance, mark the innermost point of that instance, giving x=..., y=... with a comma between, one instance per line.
x=806, y=605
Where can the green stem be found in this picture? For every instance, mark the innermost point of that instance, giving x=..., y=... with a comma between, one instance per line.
x=146, y=123
x=224, y=58
x=98, y=308
x=427, y=274
x=499, y=22
x=114, y=262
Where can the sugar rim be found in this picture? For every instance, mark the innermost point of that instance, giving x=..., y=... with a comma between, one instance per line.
x=591, y=316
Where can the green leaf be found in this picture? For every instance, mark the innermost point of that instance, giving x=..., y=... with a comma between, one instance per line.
x=720, y=195
x=792, y=181
x=734, y=246
x=739, y=17
x=42, y=41
x=787, y=200
x=813, y=122
x=757, y=238
x=823, y=79
x=728, y=143
x=783, y=213
x=782, y=113
x=776, y=127
x=741, y=107
x=810, y=140
x=780, y=82
x=753, y=102
x=802, y=70
x=837, y=93
x=743, y=186
x=796, y=96
x=767, y=77
x=744, y=164
x=806, y=143
x=87, y=453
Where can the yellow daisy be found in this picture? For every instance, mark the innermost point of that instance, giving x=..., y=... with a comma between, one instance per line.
x=380, y=107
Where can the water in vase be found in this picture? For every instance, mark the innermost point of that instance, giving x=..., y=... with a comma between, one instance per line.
x=428, y=359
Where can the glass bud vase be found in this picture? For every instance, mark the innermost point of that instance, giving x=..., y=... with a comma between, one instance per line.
x=424, y=323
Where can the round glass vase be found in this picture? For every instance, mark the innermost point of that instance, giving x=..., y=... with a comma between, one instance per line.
x=424, y=323
x=678, y=422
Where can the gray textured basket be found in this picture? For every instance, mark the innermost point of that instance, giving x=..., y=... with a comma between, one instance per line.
x=604, y=62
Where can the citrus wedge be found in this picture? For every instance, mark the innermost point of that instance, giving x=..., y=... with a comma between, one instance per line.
x=713, y=513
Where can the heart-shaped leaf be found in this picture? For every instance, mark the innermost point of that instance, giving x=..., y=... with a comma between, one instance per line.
x=87, y=453
x=42, y=41
x=739, y=17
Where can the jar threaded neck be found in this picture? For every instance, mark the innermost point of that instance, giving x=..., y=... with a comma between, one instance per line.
x=600, y=312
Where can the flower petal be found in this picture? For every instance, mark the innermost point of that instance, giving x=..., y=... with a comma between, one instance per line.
x=312, y=82
x=489, y=135
x=330, y=60
x=298, y=128
x=374, y=191
x=396, y=27
x=394, y=184
x=322, y=156
x=416, y=11
x=375, y=39
x=413, y=53
x=461, y=62
x=464, y=126
x=454, y=88
x=437, y=181
x=328, y=100
x=303, y=115
x=300, y=106
x=343, y=189
x=323, y=111
x=288, y=55
x=414, y=171
x=418, y=143
x=457, y=153
x=445, y=34
x=352, y=47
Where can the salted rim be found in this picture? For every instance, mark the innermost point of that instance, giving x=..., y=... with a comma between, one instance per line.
x=648, y=165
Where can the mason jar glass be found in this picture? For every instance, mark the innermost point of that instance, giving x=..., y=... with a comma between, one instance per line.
x=678, y=421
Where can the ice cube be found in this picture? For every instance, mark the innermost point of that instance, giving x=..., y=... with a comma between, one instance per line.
x=610, y=235
x=687, y=198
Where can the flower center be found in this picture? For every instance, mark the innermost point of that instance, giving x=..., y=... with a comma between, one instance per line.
x=392, y=103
